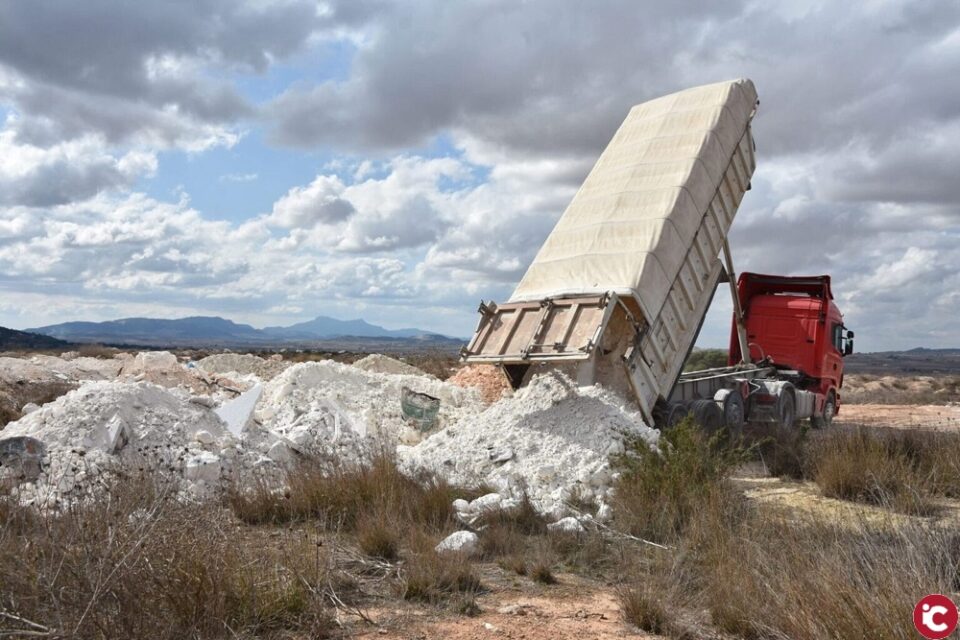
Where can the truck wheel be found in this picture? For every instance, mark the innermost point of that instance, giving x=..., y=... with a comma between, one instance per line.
x=786, y=409
x=825, y=419
x=734, y=413
x=677, y=412
x=707, y=414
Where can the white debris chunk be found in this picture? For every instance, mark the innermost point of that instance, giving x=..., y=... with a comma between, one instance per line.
x=568, y=525
x=236, y=413
x=460, y=542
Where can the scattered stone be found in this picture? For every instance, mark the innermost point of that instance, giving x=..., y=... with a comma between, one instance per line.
x=460, y=542
x=566, y=525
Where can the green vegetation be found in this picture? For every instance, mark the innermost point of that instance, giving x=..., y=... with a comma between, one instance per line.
x=706, y=359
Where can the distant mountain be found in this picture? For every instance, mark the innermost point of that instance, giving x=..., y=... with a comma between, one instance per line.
x=204, y=331
x=12, y=339
x=325, y=327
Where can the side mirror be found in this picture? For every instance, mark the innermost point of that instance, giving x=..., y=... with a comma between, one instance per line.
x=848, y=347
x=850, y=335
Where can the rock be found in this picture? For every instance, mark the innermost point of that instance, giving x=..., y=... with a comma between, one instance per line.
x=489, y=502
x=566, y=525
x=30, y=407
x=499, y=456
x=460, y=505
x=204, y=437
x=459, y=542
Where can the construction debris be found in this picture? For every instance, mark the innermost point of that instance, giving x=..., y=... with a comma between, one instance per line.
x=379, y=363
x=243, y=364
x=559, y=438
x=548, y=441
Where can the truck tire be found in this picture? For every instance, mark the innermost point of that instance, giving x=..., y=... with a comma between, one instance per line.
x=786, y=414
x=734, y=413
x=707, y=414
x=677, y=412
x=825, y=419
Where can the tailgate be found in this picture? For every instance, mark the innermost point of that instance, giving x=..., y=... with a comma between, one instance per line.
x=550, y=329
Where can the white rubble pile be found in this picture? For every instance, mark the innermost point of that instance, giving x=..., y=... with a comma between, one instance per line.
x=379, y=363
x=551, y=440
x=82, y=368
x=103, y=426
x=244, y=364
x=345, y=399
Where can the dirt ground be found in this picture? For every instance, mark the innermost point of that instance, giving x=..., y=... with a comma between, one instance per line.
x=574, y=608
x=922, y=416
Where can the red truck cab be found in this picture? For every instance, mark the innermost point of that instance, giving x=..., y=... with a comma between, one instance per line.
x=793, y=324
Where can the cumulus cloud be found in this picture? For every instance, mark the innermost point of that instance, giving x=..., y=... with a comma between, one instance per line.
x=143, y=72
x=858, y=136
x=318, y=202
x=65, y=172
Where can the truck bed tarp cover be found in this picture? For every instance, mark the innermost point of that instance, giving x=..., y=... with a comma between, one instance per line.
x=633, y=220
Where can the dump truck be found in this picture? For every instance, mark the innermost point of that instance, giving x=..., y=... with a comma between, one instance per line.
x=619, y=290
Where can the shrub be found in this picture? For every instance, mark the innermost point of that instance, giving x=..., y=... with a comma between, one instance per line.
x=436, y=577
x=660, y=491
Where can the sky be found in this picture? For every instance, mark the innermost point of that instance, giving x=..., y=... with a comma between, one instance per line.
x=273, y=161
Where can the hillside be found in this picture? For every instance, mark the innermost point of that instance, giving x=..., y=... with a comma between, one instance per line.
x=11, y=339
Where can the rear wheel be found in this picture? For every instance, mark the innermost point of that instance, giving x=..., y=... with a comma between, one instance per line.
x=734, y=412
x=786, y=409
x=707, y=414
x=825, y=419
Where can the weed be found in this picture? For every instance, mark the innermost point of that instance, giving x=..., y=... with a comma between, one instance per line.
x=643, y=609
x=436, y=577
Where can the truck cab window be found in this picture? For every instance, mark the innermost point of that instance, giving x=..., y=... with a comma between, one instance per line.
x=837, y=335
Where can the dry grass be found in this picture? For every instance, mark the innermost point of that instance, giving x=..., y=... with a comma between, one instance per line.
x=643, y=608
x=905, y=470
x=139, y=564
x=343, y=497
x=439, y=577
x=758, y=574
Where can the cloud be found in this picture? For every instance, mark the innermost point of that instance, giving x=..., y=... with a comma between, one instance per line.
x=65, y=172
x=146, y=73
x=318, y=202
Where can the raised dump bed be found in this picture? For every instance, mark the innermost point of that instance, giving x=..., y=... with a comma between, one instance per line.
x=620, y=287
